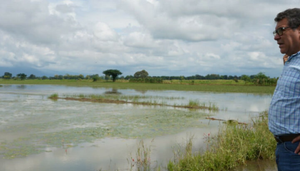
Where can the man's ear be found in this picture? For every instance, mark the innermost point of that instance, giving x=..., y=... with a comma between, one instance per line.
x=298, y=31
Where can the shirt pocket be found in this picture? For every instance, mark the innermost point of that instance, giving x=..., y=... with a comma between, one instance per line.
x=289, y=83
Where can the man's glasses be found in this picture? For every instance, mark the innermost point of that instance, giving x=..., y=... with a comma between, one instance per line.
x=280, y=31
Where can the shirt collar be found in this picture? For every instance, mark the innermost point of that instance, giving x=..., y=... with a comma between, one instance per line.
x=292, y=56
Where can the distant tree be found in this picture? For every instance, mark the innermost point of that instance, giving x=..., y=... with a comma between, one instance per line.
x=141, y=74
x=230, y=77
x=212, y=76
x=245, y=78
x=22, y=76
x=128, y=77
x=113, y=73
x=60, y=77
x=260, y=75
x=67, y=76
x=197, y=76
x=225, y=77
x=31, y=76
x=260, y=78
x=80, y=76
x=7, y=75
x=44, y=77
x=95, y=78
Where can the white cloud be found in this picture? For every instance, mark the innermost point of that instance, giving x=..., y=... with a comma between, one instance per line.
x=103, y=32
x=139, y=39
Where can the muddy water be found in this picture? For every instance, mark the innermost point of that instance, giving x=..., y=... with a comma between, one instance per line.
x=37, y=133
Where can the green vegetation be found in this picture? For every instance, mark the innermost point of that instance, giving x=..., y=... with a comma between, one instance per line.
x=7, y=75
x=220, y=86
x=233, y=145
x=142, y=161
x=197, y=104
x=259, y=79
x=121, y=97
x=135, y=100
x=141, y=74
x=113, y=73
x=146, y=80
x=21, y=76
x=53, y=96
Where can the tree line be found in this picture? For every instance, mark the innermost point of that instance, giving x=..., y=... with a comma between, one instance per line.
x=143, y=76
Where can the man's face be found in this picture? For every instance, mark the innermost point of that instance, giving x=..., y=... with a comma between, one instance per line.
x=289, y=41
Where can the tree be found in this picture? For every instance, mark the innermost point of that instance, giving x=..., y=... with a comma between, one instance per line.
x=32, y=76
x=128, y=77
x=260, y=78
x=22, y=76
x=246, y=78
x=113, y=73
x=141, y=74
x=7, y=75
x=44, y=77
x=80, y=76
x=95, y=77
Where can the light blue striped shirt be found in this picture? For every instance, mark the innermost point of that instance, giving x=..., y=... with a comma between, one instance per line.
x=284, y=111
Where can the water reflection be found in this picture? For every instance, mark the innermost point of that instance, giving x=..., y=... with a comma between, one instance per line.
x=113, y=91
x=7, y=85
x=21, y=86
x=141, y=91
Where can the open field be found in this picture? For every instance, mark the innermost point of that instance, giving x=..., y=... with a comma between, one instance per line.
x=32, y=126
x=199, y=85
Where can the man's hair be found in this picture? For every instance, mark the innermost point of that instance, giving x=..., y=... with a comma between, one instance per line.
x=292, y=15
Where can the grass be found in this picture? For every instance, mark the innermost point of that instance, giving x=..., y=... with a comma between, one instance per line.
x=121, y=97
x=220, y=86
x=53, y=96
x=142, y=160
x=133, y=100
x=196, y=104
x=196, y=82
x=232, y=146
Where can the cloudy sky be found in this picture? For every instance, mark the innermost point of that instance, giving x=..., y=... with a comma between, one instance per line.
x=163, y=37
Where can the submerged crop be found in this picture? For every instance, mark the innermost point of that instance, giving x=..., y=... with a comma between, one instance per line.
x=136, y=101
x=72, y=129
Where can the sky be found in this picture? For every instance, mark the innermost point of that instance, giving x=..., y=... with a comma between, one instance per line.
x=163, y=37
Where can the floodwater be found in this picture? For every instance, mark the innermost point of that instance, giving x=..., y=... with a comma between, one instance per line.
x=37, y=133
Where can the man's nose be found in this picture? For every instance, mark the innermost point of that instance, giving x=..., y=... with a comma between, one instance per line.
x=276, y=37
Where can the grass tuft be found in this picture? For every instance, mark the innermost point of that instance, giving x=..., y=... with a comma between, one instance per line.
x=142, y=161
x=53, y=96
x=232, y=146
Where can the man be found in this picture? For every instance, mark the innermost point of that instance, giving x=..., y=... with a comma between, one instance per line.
x=284, y=112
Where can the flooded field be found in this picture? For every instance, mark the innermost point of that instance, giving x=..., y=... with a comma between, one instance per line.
x=37, y=133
